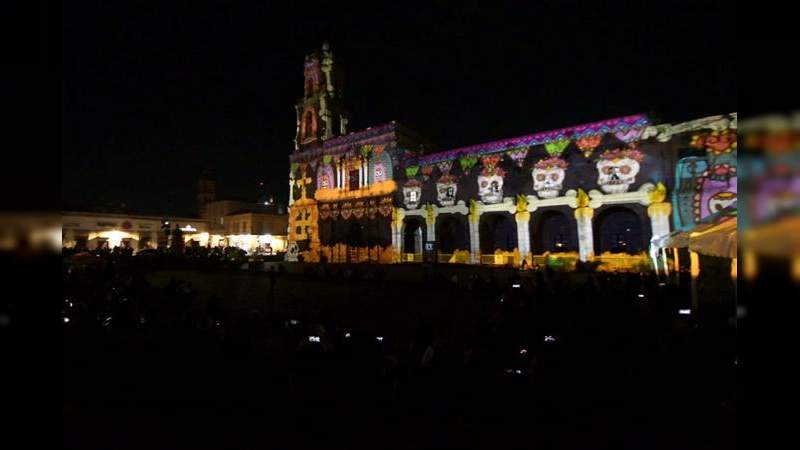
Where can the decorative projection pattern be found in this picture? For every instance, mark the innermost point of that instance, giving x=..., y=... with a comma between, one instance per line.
x=548, y=176
x=706, y=185
x=445, y=167
x=587, y=144
x=371, y=208
x=556, y=148
x=617, y=169
x=381, y=164
x=490, y=181
x=622, y=124
x=325, y=177
x=518, y=155
x=446, y=188
x=716, y=187
x=412, y=193
x=426, y=172
x=467, y=162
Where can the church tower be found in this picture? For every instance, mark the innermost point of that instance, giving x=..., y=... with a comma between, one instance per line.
x=205, y=194
x=320, y=113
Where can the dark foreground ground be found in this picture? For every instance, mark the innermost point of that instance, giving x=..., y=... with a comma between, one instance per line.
x=625, y=372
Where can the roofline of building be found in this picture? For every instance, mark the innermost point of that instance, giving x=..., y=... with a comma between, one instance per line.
x=132, y=216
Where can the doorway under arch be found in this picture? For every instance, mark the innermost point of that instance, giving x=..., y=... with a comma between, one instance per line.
x=553, y=231
x=619, y=230
x=498, y=231
x=451, y=233
x=413, y=235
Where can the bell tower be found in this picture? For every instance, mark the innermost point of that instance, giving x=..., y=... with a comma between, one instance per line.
x=320, y=113
x=205, y=193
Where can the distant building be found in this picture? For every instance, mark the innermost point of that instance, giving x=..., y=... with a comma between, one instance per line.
x=235, y=223
x=257, y=227
x=206, y=193
x=217, y=210
x=94, y=230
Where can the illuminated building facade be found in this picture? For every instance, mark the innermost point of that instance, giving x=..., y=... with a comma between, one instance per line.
x=597, y=191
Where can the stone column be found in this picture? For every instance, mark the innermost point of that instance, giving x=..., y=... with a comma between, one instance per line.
x=474, y=241
x=397, y=232
x=339, y=177
x=694, y=259
x=291, y=188
x=585, y=237
x=430, y=222
x=361, y=173
x=523, y=234
x=659, y=218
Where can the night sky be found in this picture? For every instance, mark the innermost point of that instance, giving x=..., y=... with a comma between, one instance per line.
x=154, y=93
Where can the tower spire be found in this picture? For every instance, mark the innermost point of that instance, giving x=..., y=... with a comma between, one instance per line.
x=320, y=114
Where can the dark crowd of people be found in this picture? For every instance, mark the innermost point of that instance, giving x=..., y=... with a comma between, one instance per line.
x=560, y=360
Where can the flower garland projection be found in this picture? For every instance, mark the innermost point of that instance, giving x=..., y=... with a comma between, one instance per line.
x=518, y=155
x=629, y=136
x=445, y=166
x=467, y=162
x=366, y=151
x=587, y=144
x=426, y=172
x=556, y=148
x=630, y=128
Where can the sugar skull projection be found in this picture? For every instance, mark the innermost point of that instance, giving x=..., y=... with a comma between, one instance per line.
x=412, y=194
x=548, y=176
x=712, y=195
x=379, y=173
x=490, y=189
x=446, y=189
x=490, y=181
x=617, y=169
x=325, y=177
x=721, y=200
x=715, y=188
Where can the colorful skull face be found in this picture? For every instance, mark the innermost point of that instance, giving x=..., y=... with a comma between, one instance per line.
x=720, y=201
x=325, y=178
x=616, y=175
x=379, y=173
x=548, y=182
x=490, y=188
x=412, y=194
x=446, y=193
x=712, y=196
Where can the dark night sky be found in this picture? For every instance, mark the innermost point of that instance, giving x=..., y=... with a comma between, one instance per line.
x=152, y=94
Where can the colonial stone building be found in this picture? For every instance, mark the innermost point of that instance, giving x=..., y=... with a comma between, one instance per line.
x=600, y=190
